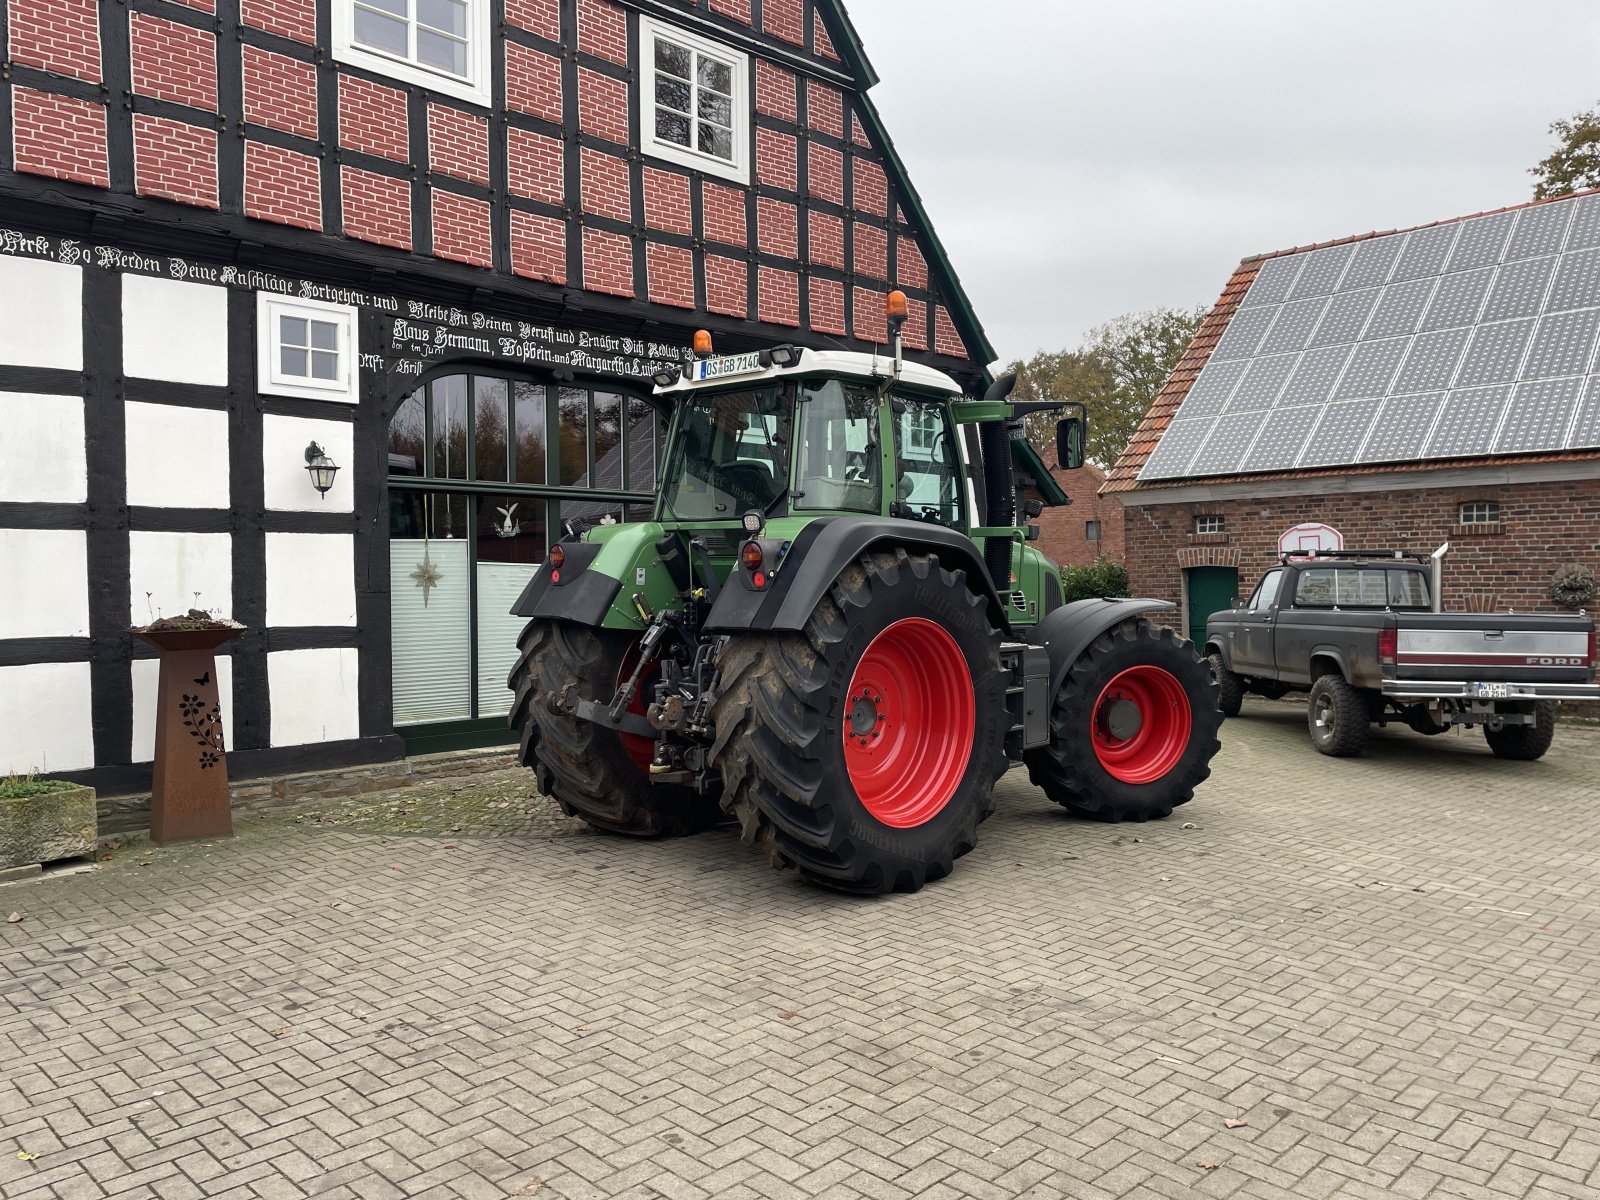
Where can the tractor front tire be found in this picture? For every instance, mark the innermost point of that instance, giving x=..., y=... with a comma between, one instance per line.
x=589, y=770
x=1524, y=743
x=863, y=751
x=1133, y=728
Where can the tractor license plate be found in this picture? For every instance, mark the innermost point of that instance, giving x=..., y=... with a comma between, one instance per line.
x=1493, y=691
x=731, y=364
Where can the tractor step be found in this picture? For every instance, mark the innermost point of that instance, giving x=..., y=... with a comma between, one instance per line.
x=1027, y=696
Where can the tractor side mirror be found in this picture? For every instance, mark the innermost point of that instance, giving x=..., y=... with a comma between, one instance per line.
x=1069, y=443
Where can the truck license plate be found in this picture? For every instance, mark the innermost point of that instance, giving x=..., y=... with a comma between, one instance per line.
x=1493, y=691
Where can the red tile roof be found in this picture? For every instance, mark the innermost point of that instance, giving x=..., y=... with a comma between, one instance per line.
x=1124, y=476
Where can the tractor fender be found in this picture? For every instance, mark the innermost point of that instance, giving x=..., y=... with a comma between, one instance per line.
x=1067, y=632
x=583, y=596
x=826, y=547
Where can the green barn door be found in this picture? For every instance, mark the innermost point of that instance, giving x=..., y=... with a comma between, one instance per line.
x=1211, y=589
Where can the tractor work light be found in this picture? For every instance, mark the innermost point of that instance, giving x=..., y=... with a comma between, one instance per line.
x=702, y=343
x=753, y=521
x=752, y=557
x=784, y=356
x=667, y=376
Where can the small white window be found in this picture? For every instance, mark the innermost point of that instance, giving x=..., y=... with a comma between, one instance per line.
x=1480, y=512
x=306, y=348
x=1210, y=524
x=695, y=98
x=442, y=45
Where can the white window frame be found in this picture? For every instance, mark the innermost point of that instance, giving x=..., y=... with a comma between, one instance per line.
x=1477, y=512
x=738, y=170
x=271, y=380
x=475, y=88
x=1210, y=525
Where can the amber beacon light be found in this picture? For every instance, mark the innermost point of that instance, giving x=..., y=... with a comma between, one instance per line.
x=702, y=343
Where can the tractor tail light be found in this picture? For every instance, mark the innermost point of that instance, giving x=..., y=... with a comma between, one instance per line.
x=1594, y=646
x=1388, y=646
x=752, y=557
x=558, y=557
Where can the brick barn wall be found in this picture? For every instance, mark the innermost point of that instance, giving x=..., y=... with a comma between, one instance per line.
x=322, y=145
x=1061, y=530
x=1543, y=526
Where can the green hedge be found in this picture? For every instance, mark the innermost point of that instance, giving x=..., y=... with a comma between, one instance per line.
x=1105, y=577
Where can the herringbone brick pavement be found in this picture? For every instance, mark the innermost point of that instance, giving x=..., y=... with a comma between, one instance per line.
x=1390, y=967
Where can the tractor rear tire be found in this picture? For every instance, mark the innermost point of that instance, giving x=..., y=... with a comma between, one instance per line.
x=863, y=751
x=1524, y=743
x=589, y=770
x=1230, y=688
x=1133, y=728
x=1339, y=717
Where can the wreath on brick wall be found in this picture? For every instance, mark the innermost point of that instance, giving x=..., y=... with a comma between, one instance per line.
x=1573, y=585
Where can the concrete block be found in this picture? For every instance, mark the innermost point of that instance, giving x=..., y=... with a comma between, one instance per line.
x=44, y=828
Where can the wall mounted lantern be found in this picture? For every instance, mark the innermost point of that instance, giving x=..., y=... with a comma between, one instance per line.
x=321, y=468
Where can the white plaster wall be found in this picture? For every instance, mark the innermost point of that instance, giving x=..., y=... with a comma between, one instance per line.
x=44, y=583
x=311, y=579
x=172, y=567
x=41, y=314
x=42, y=449
x=283, y=455
x=314, y=695
x=177, y=456
x=45, y=720
x=146, y=675
x=174, y=331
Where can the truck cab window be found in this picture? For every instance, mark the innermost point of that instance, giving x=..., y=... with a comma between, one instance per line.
x=1409, y=589
x=928, y=477
x=1266, y=593
x=841, y=466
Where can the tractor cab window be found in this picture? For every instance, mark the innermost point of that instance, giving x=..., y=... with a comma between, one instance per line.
x=730, y=454
x=841, y=466
x=928, y=475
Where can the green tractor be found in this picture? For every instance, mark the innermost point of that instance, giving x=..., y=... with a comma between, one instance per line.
x=833, y=628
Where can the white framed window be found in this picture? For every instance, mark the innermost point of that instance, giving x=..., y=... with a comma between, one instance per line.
x=1211, y=523
x=306, y=348
x=442, y=45
x=1480, y=512
x=695, y=101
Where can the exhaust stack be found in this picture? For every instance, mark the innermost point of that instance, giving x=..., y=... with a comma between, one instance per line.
x=1437, y=571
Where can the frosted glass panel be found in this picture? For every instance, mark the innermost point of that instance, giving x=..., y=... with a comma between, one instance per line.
x=499, y=585
x=429, y=604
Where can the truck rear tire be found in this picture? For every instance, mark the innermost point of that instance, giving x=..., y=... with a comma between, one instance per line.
x=591, y=771
x=1133, y=728
x=1338, y=717
x=1230, y=688
x=1524, y=743
x=863, y=751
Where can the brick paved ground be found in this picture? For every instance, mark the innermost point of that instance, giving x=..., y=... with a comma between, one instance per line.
x=1389, y=967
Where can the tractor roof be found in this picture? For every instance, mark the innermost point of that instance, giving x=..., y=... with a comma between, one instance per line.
x=744, y=370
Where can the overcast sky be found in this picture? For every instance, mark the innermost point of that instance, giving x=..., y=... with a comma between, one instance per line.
x=1086, y=158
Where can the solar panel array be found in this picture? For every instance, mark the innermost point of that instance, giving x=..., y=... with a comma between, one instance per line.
x=1472, y=338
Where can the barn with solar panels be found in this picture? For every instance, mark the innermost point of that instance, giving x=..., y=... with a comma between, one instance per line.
x=1391, y=391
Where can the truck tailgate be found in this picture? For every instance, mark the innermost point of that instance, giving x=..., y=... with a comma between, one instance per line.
x=1494, y=647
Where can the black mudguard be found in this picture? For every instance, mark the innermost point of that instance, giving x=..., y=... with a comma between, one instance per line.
x=1067, y=631
x=582, y=596
x=823, y=549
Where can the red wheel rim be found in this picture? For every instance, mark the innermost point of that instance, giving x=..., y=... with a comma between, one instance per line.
x=909, y=723
x=1141, y=724
x=639, y=748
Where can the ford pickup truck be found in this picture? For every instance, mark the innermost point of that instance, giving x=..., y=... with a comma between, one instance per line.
x=1363, y=634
